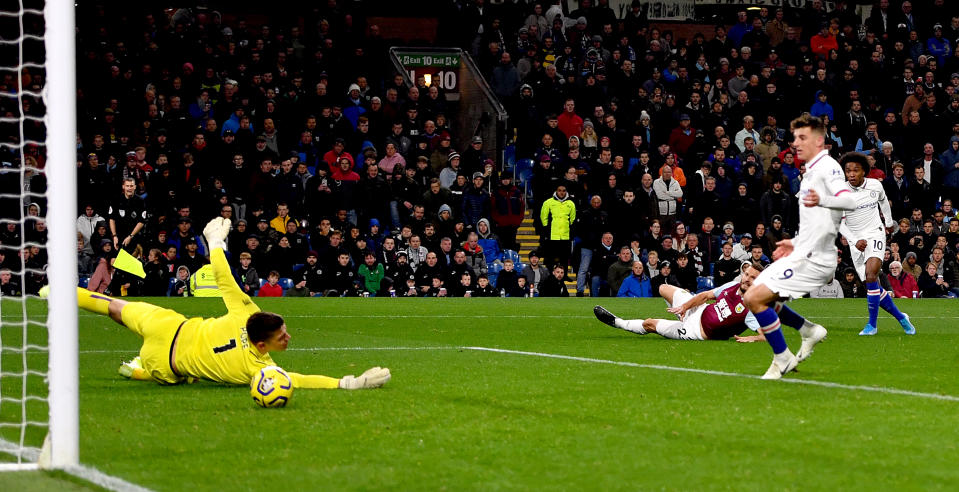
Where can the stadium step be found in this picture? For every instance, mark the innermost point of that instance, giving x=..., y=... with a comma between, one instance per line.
x=526, y=236
x=529, y=241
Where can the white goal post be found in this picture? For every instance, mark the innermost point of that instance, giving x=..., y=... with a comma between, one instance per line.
x=62, y=324
x=60, y=449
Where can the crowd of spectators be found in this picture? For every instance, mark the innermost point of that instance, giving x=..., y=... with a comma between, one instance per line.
x=654, y=158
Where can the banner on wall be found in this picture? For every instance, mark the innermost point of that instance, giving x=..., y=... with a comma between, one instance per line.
x=672, y=10
x=828, y=5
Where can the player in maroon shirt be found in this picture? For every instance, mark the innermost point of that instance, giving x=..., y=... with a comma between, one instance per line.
x=698, y=319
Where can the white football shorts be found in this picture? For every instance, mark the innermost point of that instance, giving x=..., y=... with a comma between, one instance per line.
x=793, y=277
x=688, y=328
x=875, y=248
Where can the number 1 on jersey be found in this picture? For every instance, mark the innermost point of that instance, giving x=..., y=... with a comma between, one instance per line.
x=224, y=348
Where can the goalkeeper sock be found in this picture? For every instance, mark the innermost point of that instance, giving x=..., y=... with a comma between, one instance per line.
x=789, y=317
x=769, y=325
x=873, y=292
x=633, y=325
x=93, y=301
x=886, y=302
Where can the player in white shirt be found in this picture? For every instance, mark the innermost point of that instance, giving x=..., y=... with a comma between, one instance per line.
x=808, y=261
x=865, y=232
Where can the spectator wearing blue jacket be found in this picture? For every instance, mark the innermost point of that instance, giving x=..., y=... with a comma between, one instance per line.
x=821, y=108
x=739, y=29
x=637, y=284
x=489, y=241
x=938, y=46
x=355, y=105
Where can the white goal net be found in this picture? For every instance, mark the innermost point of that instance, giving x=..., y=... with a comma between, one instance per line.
x=38, y=337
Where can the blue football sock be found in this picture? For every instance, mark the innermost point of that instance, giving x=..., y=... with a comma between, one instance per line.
x=885, y=302
x=872, y=301
x=789, y=317
x=769, y=326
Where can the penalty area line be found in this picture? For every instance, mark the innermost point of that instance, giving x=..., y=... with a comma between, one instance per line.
x=295, y=349
x=807, y=382
x=478, y=316
x=101, y=479
x=92, y=475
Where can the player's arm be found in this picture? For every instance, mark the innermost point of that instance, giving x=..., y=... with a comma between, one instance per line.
x=233, y=296
x=835, y=194
x=850, y=236
x=313, y=381
x=372, y=378
x=885, y=209
x=697, y=300
x=752, y=324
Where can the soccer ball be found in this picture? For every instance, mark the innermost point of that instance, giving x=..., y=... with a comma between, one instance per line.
x=271, y=387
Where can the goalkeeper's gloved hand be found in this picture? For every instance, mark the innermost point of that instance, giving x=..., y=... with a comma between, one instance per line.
x=372, y=378
x=216, y=232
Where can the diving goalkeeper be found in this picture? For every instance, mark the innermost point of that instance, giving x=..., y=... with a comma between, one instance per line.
x=228, y=349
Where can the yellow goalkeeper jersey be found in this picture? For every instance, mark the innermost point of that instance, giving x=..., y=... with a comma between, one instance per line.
x=218, y=349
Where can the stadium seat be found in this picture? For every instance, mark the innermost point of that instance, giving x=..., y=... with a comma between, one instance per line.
x=632, y=163
x=495, y=268
x=84, y=282
x=523, y=171
x=704, y=283
x=286, y=283
x=262, y=282
x=298, y=267
x=511, y=255
x=509, y=157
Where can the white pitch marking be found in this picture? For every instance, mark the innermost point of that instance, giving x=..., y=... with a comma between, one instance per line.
x=15, y=320
x=294, y=349
x=827, y=384
x=87, y=473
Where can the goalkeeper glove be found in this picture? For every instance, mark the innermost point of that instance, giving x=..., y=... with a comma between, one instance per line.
x=372, y=378
x=216, y=232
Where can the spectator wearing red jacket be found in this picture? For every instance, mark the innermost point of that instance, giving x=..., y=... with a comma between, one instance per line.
x=569, y=122
x=822, y=43
x=682, y=137
x=507, y=211
x=902, y=283
x=272, y=286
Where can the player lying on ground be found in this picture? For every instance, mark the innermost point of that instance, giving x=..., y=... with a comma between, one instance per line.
x=698, y=320
x=228, y=349
x=864, y=230
x=808, y=261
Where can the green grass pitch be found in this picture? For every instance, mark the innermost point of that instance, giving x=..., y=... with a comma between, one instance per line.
x=457, y=418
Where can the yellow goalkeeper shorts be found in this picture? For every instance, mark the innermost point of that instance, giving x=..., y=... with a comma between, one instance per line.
x=158, y=327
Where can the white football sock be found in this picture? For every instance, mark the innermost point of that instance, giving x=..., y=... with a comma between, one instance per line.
x=633, y=325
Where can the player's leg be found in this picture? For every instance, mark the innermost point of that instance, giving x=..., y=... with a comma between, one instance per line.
x=758, y=299
x=158, y=327
x=793, y=319
x=666, y=328
x=811, y=333
x=668, y=292
x=100, y=304
x=879, y=297
x=633, y=325
x=154, y=324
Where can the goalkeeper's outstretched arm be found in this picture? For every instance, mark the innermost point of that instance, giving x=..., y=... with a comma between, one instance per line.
x=373, y=378
x=237, y=301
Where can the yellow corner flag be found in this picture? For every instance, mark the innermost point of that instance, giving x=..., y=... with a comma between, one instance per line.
x=126, y=262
